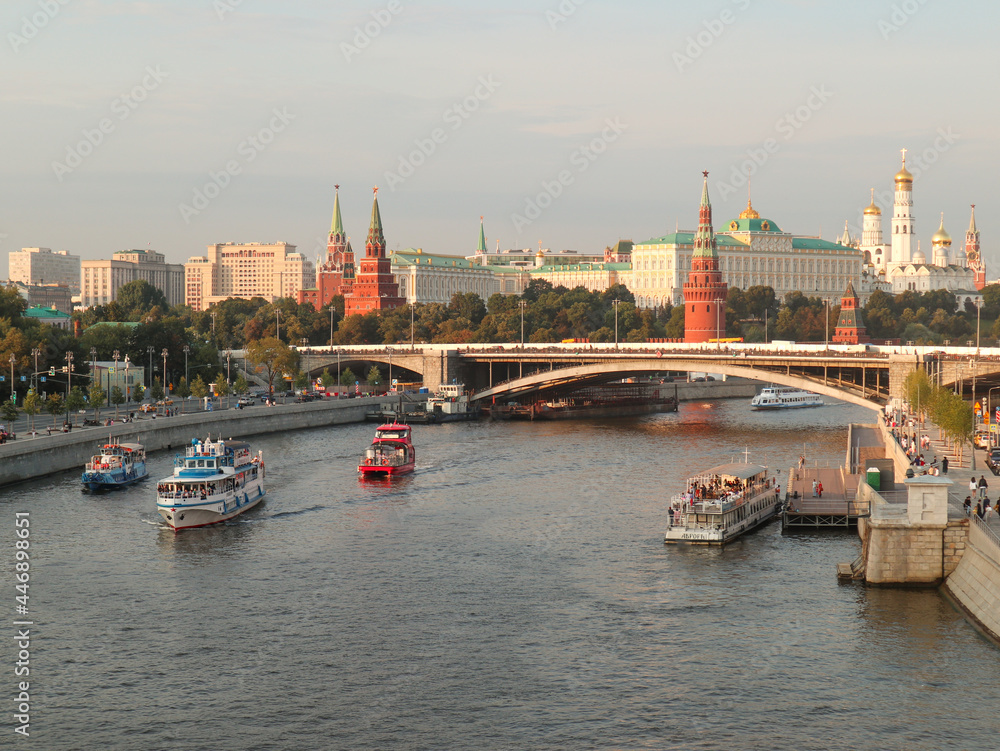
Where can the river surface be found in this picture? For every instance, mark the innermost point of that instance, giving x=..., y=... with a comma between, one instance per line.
x=514, y=593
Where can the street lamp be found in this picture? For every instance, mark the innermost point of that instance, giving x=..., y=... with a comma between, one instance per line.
x=116, y=356
x=826, y=328
x=521, y=304
x=93, y=364
x=187, y=373
x=13, y=394
x=331, y=324
x=616, y=303
x=34, y=377
x=229, y=387
x=151, y=349
x=128, y=388
x=69, y=372
x=164, y=353
x=277, y=324
x=411, y=325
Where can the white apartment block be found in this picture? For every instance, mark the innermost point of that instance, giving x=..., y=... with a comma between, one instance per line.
x=42, y=266
x=102, y=279
x=245, y=270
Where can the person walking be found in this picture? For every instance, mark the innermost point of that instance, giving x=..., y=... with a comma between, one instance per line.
x=973, y=488
x=967, y=505
x=979, y=510
x=983, y=485
x=944, y=465
x=814, y=488
x=987, y=509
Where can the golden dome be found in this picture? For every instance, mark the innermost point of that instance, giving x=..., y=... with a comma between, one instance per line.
x=872, y=209
x=941, y=237
x=904, y=175
x=749, y=212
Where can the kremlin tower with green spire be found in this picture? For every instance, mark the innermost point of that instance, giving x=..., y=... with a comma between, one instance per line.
x=335, y=275
x=705, y=292
x=374, y=287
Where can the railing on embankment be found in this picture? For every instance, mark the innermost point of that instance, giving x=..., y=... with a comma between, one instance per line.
x=975, y=583
x=27, y=458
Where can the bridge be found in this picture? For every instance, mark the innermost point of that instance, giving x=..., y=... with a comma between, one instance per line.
x=866, y=375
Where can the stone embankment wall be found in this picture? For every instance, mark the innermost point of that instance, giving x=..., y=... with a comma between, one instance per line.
x=975, y=583
x=27, y=458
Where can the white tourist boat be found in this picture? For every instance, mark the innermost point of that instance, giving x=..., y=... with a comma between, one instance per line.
x=722, y=503
x=213, y=481
x=777, y=397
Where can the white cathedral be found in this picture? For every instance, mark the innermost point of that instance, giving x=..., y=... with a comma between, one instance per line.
x=901, y=264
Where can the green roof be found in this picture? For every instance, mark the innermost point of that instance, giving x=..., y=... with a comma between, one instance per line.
x=129, y=324
x=583, y=267
x=622, y=247
x=750, y=225
x=337, y=226
x=687, y=238
x=481, y=248
x=814, y=243
x=45, y=314
x=416, y=257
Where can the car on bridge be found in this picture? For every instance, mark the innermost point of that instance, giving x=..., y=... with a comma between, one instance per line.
x=993, y=461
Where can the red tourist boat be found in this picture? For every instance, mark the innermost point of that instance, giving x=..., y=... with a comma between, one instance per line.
x=390, y=454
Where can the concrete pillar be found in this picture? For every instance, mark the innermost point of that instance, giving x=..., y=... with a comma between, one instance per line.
x=927, y=500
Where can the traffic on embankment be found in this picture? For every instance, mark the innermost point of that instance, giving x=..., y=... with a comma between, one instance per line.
x=28, y=458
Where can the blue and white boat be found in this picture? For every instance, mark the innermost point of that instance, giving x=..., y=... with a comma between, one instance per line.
x=117, y=466
x=785, y=398
x=213, y=481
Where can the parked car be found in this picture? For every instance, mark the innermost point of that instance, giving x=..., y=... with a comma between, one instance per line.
x=244, y=401
x=982, y=440
x=993, y=460
x=147, y=407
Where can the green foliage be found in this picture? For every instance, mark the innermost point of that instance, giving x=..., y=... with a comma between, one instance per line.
x=271, y=357
x=326, y=378
x=76, y=401
x=183, y=390
x=138, y=392
x=97, y=396
x=55, y=406
x=374, y=376
x=156, y=390
x=9, y=411
x=32, y=405
x=240, y=385
x=117, y=396
x=221, y=386
x=137, y=299
x=301, y=380
x=347, y=377
x=199, y=389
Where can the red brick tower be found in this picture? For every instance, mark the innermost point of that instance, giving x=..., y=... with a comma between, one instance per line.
x=705, y=292
x=374, y=287
x=336, y=274
x=850, y=325
x=973, y=257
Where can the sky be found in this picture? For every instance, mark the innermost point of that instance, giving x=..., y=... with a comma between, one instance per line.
x=177, y=124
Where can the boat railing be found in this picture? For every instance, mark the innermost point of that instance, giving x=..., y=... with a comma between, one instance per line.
x=384, y=460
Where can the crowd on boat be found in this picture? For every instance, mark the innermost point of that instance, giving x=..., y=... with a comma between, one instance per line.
x=176, y=490
x=716, y=488
x=382, y=457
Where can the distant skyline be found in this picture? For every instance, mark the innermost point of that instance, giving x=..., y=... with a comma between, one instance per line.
x=576, y=123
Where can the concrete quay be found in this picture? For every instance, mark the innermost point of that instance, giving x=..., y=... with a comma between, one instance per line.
x=28, y=458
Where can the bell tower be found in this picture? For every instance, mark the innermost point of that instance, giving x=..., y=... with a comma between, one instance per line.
x=704, y=291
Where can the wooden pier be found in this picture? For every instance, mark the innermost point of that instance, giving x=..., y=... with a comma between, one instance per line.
x=837, y=508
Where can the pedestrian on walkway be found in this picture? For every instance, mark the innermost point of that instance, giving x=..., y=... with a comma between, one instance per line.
x=819, y=489
x=987, y=509
x=967, y=505
x=944, y=465
x=983, y=485
x=973, y=488
x=979, y=510
x=814, y=488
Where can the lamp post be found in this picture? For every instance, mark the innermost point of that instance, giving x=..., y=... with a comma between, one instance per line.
x=277, y=324
x=13, y=394
x=116, y=356
x=93, y=365
x=150, y=349
x=979, y=305
x=213, y=325
x=69, y=372
x=34, y=377
x=187, y=373
x=229, y=386
x=164, y=353
x=338, y=372
x=411, y=325
x=521, y=304
x=331, y=324
x=616, y=303
x=128, y=388
x=826, y=328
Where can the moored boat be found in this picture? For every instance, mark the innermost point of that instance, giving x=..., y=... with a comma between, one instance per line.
x=722, y=503
x=775, y=397
x=391, y=453
x=213, y=481
x=118, y=465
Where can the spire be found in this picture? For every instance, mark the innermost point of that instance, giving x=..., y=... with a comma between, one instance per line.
x=704, y=241
x=481, y=249
x=337, y=225
x=749, y=212
x=972, y=221
x=375, y=236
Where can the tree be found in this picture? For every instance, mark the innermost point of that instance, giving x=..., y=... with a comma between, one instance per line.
x=10, y=412
x=32, y=406
x=138, y=392
x=54, y=406
x=347, y=377
x=117, y=398
x=374, y=376
x=326, y=378
x=76, y=401
x=156, y=390
x=302, y=380
x=272, y=357
x=98, y=397
x=138, y=298
x=183, y=390
x=221, y=386
x=199, y=389
x=240, y=385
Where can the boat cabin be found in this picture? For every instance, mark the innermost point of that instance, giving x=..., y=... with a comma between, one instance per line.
x=722, y=496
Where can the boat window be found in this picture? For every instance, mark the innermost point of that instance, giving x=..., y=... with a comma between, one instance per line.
x=201, y=462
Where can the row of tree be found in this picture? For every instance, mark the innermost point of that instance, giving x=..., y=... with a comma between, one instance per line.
x=946, y=409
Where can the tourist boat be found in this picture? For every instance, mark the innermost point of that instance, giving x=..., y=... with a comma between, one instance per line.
x=722, y=503
x=391, y=453
x=785, y=398
x=213, y=481
x=117, y=466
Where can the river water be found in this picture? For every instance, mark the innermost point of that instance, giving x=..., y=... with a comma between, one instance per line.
x=514, y=593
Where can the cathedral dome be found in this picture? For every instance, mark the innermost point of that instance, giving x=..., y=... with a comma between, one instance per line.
x=903, y=176
x=749, y=212
x=873, y=209
x=941, y=237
